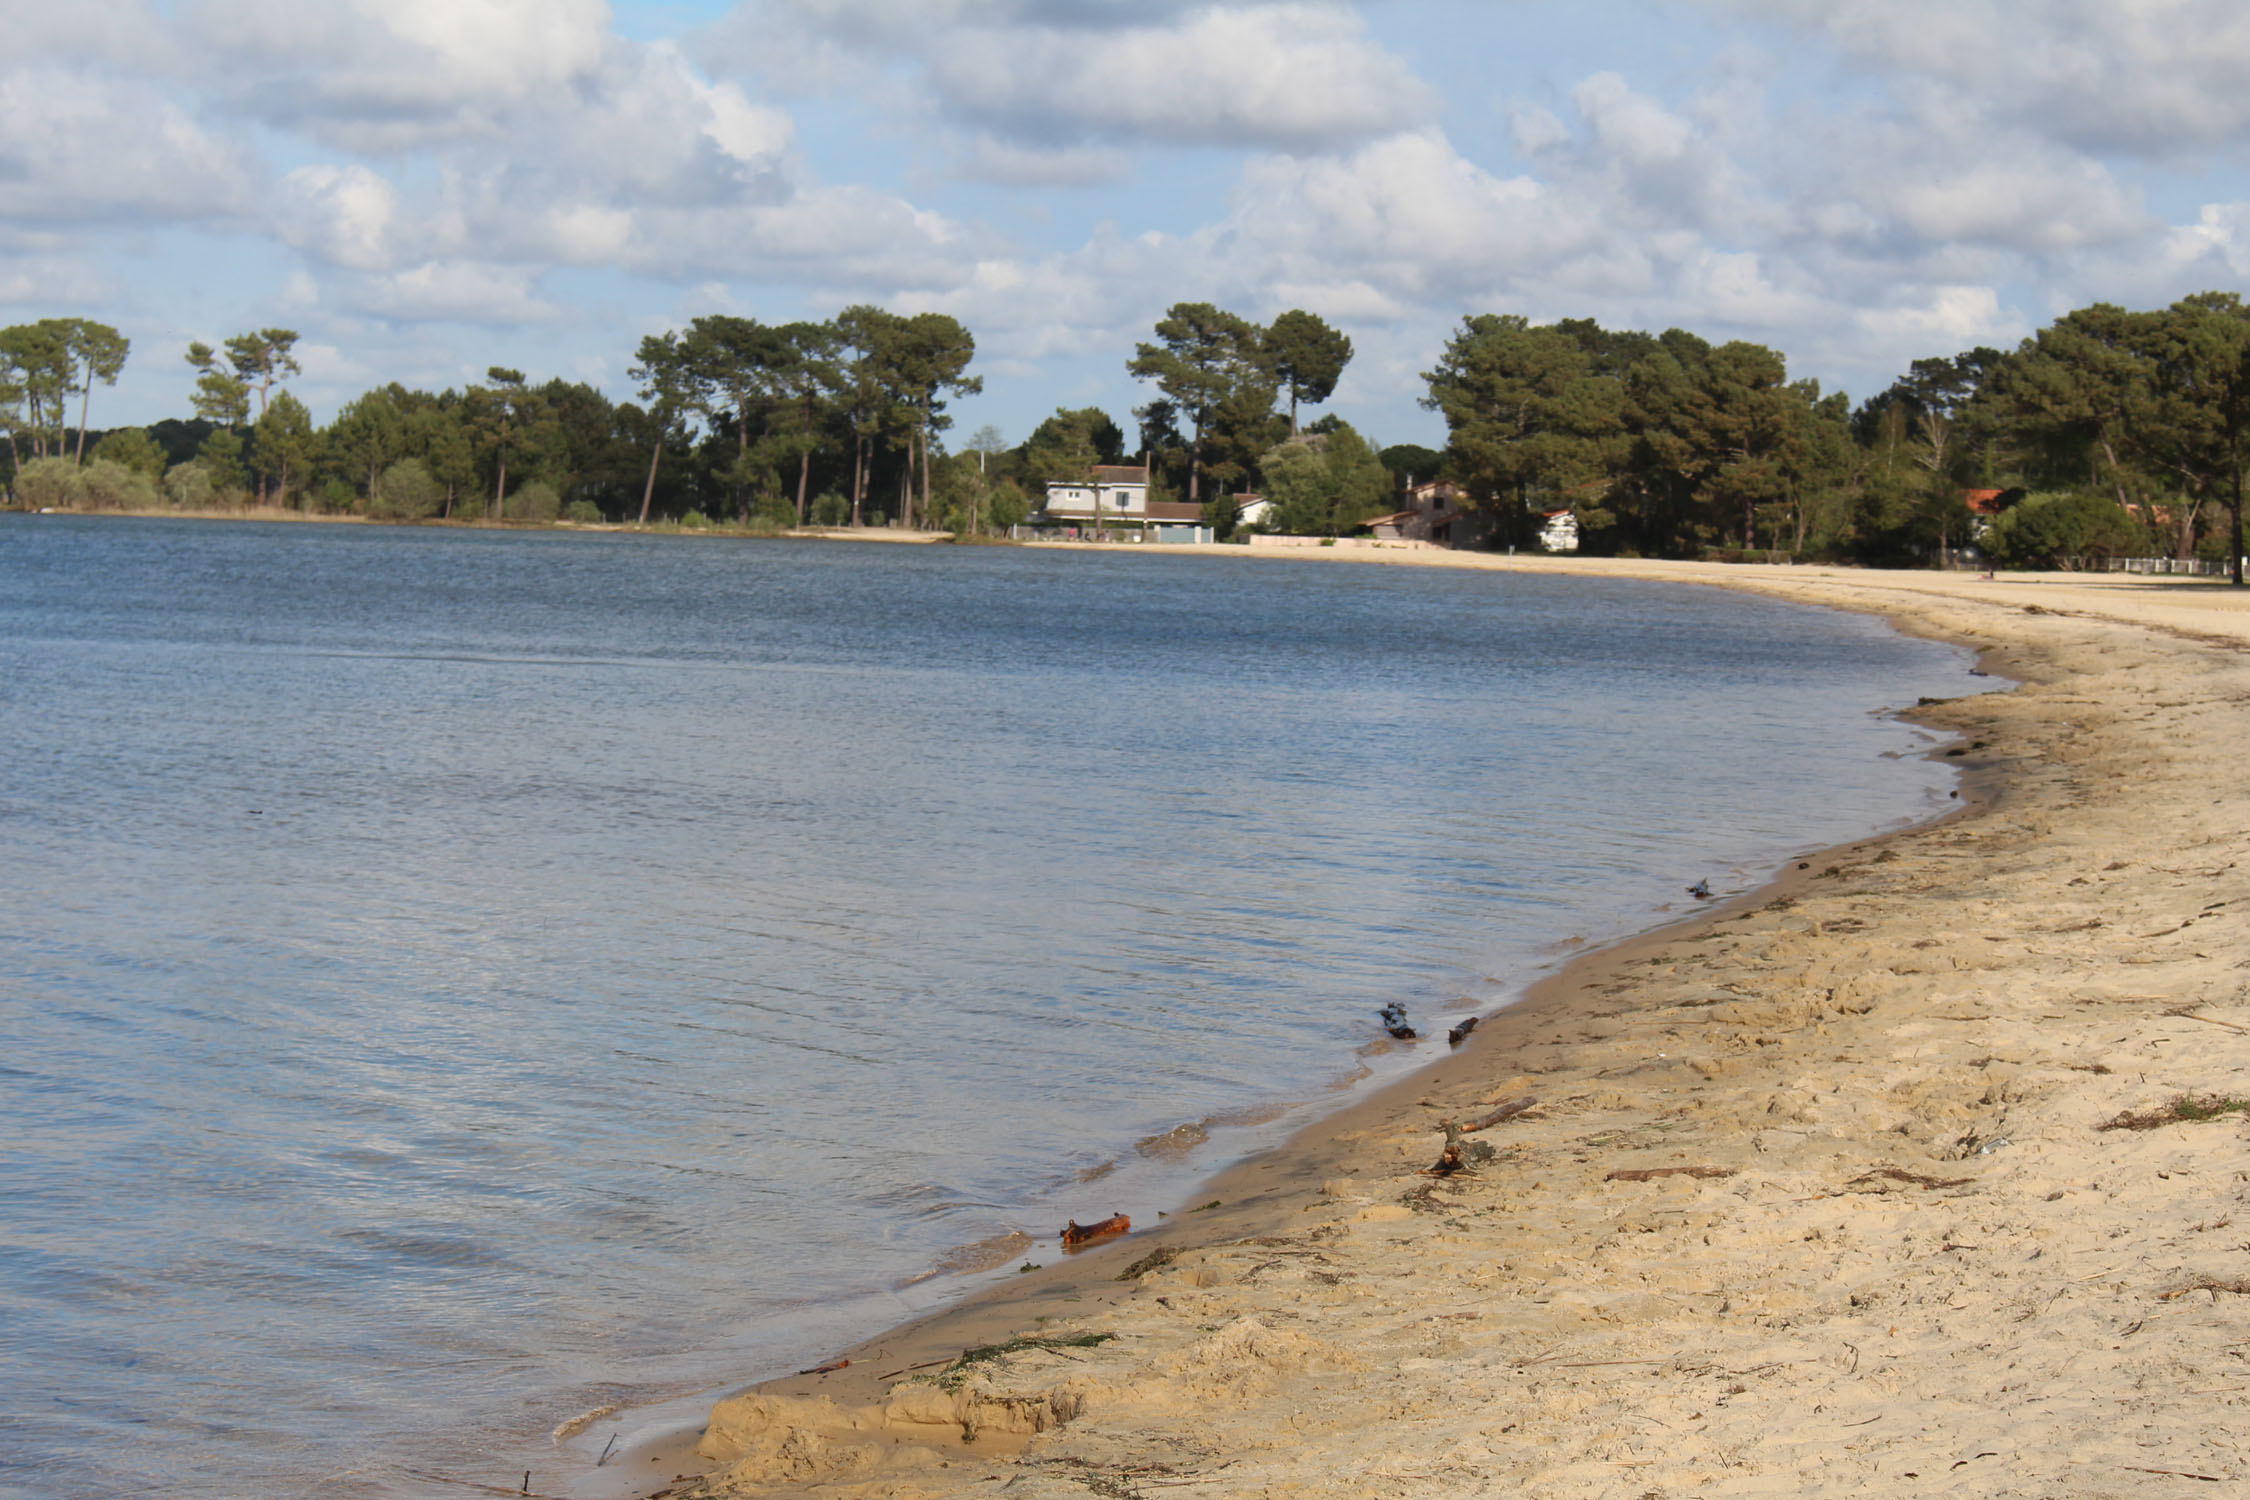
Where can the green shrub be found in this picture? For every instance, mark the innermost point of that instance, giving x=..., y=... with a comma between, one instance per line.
x=2066, y=529
x=189, y=486
x=406, y=492
x=1006, y=506
x=47, y=484
x=831, y=509
x=106, y=485
x=336, y=497
x=584, y=512
x=775, y=512
x=696, y=520
x=535, y=501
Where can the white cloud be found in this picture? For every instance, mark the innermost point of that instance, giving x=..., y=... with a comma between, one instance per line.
x=1407, y=214
x=81, y=145
x=391, y=74
x=2024, y=203
x=2217, y=243
x=346, y=215
x=2131, y=75
x=1294, y=76
x=452, y=292
x=1010, y=165
x=128, y=31
x=641, y=151
x=1534, y=128
x=1658, y=163
x=1297, y=76
x=1939, y=318
x=45, y=282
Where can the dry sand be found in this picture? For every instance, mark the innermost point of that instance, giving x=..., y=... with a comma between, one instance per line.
x=1817, y=1197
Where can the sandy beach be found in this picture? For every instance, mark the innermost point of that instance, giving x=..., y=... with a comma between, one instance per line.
x=1922, y=1168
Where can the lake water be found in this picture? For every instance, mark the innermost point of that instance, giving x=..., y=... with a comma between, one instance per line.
x=456, y=980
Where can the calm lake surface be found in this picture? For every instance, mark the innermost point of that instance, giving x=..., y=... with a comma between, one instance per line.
x=456, y=980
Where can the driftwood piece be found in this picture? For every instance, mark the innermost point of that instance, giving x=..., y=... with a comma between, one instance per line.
x=1507, y=1111
x=829, y=1368
x=1650, y=1174
x=1077, y=1236
x=1460, y=1033
x=1458, y=1155
x=1394, y=1021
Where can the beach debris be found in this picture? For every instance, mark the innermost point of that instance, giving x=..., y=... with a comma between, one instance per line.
x=1701, y=890
x=956, y=1371
x=1460, y=1033
x=1076, y=1236
x=1916, y=1179
x=1394, y=1021
x=606, y=1450
x=2188, y=1108
x=1507, y=1111
x=1458, y=1155
x=1650, y=1174
x=827, y=1369
x=1155, y=1260
x=2236, y=1288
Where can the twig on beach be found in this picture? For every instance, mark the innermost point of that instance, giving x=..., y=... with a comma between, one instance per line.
x=1650, y=1174
x=2175, y=1473
x=606, y=1447
x=1507, y=1111
x=927, y=1364
x=2207, y=1284
x=489, y=1489
x=2189, y=1015
x=827, y=1369
x=1597, y=1364
x=1894, y=1174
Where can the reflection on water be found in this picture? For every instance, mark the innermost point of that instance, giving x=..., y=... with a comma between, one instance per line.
x=460, y=980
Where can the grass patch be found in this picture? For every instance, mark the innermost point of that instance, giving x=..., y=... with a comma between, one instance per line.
x=2188, y=1108
x=953, y=1375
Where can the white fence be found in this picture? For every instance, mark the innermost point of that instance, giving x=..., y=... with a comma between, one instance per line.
x=2194, y=566
x=1156, y=533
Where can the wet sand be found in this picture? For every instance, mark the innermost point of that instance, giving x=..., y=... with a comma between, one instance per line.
x=1816, y=1195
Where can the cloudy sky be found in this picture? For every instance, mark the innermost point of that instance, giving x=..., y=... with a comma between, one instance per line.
x=428, y=187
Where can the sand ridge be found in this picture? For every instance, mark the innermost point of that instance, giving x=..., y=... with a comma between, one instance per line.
x=1816, y=1198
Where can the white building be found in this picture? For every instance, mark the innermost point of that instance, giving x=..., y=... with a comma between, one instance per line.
x=1560, y=534
x=1251, y=509
x=1116, y=493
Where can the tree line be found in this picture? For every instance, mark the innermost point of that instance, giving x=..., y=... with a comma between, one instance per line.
x=832, y=423
x=2109, y=431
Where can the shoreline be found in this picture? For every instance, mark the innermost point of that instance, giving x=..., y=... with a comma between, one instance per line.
x=1302, y=1202
x=1253, y=1198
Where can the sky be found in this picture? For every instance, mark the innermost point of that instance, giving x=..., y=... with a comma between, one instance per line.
x=425, y=188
